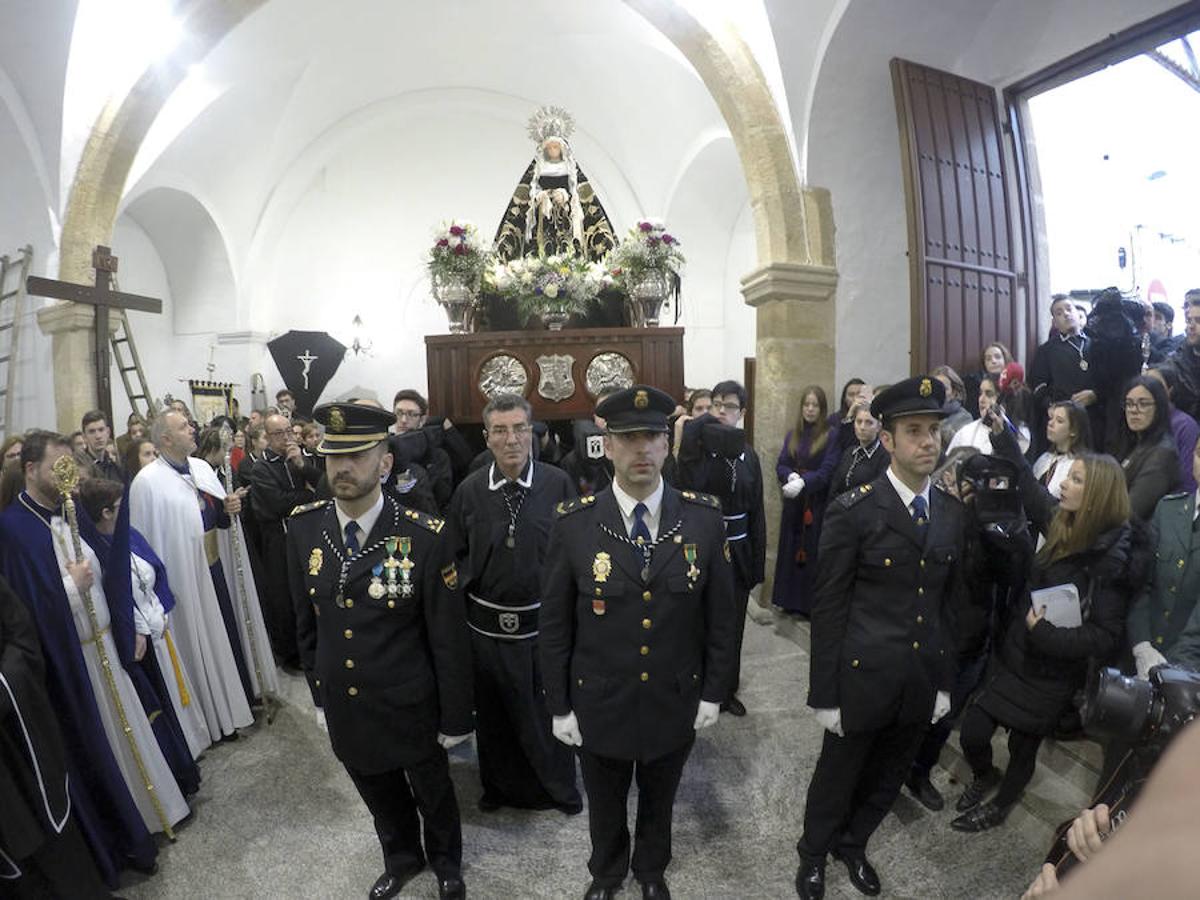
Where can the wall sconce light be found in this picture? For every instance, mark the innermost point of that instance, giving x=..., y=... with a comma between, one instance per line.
x=360, y=343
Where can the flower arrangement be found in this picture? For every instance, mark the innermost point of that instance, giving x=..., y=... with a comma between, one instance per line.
x=555, y=286
x=648, y=249
x=458, y=254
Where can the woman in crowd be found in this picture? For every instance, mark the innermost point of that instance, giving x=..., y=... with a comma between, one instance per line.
x=956, y=393
x=1031, y=684
x=804, y=466
x=863, y=462
x=1068, y=434
x=992, y=360
x=140, y=452
x=851, y=391
x=978, y=433
x=1184, y=428
x=10, y=450
x=1145, y=446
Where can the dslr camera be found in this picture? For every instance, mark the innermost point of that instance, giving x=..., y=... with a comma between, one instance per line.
x=1147, y=713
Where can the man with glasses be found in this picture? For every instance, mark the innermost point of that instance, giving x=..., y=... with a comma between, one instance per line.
x=738, y=483
x=637, y=639
x=415, y=443
x=497, y=529
x=280, y=481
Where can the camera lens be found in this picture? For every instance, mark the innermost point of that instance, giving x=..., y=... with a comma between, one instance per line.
x=1117, y=706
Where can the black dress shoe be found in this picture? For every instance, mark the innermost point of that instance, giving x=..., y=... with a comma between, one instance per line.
x=810, y=879
x=571, y=809
x=978, y=789
x=597, y=892
x=452, y=888
x=655, y=890
x=388, y=885
x=981, y=818
x=927, y=795
x=862, y=874
x=734, y=707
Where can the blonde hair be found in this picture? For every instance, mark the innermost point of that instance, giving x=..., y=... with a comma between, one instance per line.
x=1105, y=506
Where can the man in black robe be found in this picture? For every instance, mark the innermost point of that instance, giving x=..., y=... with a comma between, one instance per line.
x=1060, y=369
x=498, y=527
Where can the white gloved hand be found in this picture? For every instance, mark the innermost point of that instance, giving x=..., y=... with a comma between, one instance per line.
x=830, y=720
x=566, y=729
x=707, y=714
x=1147, y=658
x=452, y=740
x=795, y=484
x=941, y=706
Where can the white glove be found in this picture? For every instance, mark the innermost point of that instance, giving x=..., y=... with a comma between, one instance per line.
x=830, y=720
x=452, y=740
x=941, y=706
x=707, y=714
x=566, y=729
x=795, y=484
x=1147, y=658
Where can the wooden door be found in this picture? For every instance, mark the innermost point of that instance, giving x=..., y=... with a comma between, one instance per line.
x=964, y=284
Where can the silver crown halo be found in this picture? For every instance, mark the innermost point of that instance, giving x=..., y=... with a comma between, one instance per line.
x=550, y=121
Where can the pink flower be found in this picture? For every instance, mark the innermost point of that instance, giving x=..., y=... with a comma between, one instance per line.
x=443, y=243
x=460, y=249
x=668, y=240
x=645, y=226
x=652, y=241
x=456, y=230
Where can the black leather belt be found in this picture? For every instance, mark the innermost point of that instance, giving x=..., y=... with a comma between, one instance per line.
x=507, y=623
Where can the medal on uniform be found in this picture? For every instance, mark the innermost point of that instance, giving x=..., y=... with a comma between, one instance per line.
x=390, y=565
x=376, y=590
x=689, y=553
x=314, y=561
x=598, y=606
x=510, y=540
x=1083, y=364
x=406, y=567
x=601, y=569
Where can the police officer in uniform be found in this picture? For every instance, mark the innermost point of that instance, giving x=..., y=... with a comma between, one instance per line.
x=383, y=636
x=497, y=527
x=637, y=639
x=882, y=653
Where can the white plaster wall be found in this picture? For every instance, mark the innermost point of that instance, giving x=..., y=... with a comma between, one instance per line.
x=853, y=141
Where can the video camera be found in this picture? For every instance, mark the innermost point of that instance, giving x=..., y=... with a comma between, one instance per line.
x=1141, y=712
x=704, y=434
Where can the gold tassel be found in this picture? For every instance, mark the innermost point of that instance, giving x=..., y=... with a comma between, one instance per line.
x=184, y=698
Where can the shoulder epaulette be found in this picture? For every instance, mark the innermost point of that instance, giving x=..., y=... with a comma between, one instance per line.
x=701, y=499
x=854, y=495
x=308, y=507
x=566, y=507
x=433, y=523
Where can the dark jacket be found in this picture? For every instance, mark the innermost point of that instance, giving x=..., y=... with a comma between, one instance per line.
x=882, y=640
x=279, y=487
x=633, y=658
x=1186, y=363
x=856, y=467
x=1151, y=472
x=391, y=672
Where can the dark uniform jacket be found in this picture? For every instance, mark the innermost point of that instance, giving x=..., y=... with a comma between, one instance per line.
x=742, y=503
x=391, y=671
x=477, y=525
x=279, y=487
x=882, y=642
x=1165, y=603
x=633, y=658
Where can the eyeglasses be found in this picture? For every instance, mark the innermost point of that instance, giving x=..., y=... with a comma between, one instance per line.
x=720, y=406
x=407, y=414
x=1139, y=405
x=503, y=431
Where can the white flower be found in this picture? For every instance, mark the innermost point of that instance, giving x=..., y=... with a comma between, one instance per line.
x=551, y=290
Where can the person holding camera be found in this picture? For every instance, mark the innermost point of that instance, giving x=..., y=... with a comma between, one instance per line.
x=714, y=458
x=882, y=652
x=1090, y=549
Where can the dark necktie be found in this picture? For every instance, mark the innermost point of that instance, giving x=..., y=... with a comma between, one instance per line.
x=641, y=531
x=351, y=539
x=920, y=515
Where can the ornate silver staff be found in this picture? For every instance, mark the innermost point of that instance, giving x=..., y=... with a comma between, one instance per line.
x=236, y=537
x=66, y=478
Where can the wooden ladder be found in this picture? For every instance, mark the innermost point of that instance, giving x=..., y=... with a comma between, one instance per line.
x=139, y=391
x=12, y=288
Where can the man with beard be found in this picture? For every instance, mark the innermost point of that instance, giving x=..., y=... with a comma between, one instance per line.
x=882, y=661
x=498, y=526
x=383, y=639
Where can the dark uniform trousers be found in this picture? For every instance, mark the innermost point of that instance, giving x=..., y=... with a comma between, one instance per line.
x=632, y=651
x=391, y=668
x=607, y=782
x=881, y=650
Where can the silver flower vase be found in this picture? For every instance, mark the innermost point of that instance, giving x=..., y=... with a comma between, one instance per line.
x=646, y=298
x=457, y=297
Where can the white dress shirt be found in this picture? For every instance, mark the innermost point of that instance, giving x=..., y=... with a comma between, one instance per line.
x=907, y=494
x=653, y=508
x=365, y=522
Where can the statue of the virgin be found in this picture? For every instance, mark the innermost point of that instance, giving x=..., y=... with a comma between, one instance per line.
x=554, y=209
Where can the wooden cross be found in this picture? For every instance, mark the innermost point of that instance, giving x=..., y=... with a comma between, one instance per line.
x=104, y=299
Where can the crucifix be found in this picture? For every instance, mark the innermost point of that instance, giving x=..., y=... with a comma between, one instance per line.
x=103, y=298
x=308, y=359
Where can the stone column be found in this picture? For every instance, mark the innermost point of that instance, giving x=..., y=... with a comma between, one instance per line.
x=795, y=346
x=71, y=326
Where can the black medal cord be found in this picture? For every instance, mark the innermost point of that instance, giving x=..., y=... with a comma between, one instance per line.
x=513, y=510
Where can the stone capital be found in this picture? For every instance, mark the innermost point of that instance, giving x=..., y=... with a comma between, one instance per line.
x=65, y=318
x=789, y=281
